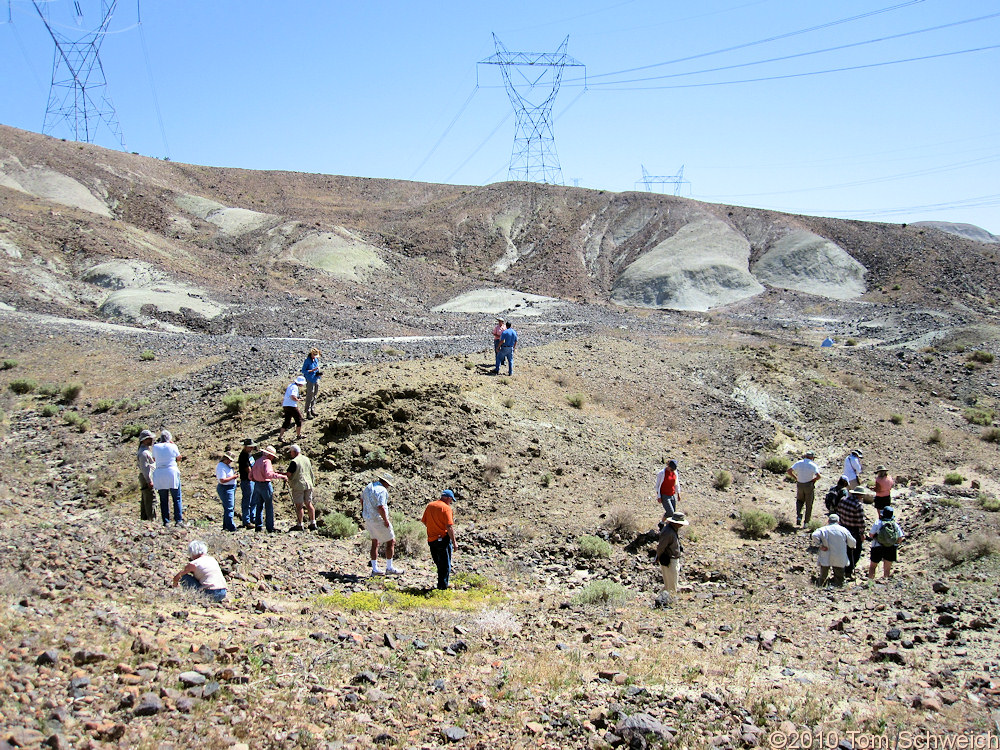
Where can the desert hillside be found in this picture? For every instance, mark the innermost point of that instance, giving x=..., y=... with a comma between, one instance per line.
x=137, y=293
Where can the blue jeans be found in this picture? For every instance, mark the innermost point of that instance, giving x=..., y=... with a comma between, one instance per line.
x=190, y=582
x=165, y=505
x=246, y=488
x=227, y=494
x=506, y=353
x=262, y=505
x=441, y=554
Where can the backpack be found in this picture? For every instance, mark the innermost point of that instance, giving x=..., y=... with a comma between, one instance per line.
x=888, y=534
x=832, y=499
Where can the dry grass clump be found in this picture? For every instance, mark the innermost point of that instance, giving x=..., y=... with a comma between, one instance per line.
x=988, y=502
x=992, y=435
x=953, y=478
x=981, y=357
x=957, y=551
x=776, y=464
x=935, y=438
x=756, y=524
x=577, y=400
x=723, y=480
x=623, y=521
x=492, y=470
x=594, y=547
x=495, y=622
x=602, y=592
x=897, y=418
x=981, y=417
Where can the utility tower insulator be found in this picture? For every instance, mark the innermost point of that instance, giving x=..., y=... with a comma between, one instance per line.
x=78, y=96
x=649, y=181
x=532, y=80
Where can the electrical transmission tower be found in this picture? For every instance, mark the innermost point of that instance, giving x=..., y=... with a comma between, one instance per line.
x=532, y=80
x=648, y=181
x=78, y=95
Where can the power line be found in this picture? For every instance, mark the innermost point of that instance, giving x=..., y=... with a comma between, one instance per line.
x=480, y=146
x=152, y=85
x=446, y=131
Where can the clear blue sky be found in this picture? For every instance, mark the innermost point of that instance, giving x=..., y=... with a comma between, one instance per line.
x=369, y=88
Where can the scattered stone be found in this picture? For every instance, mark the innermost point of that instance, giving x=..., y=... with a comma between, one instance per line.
x=149, y=705
x=940, y=587
x=641, y=725
x=191, y=679
x=927, y=702
x=81, y=658
x=454, y=734
x=893, y=634
x=362, y=678
x=390, y=641
x=47, y=657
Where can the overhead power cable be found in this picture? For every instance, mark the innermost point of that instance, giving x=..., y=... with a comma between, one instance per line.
x=800, y=54
x=447, y=130
x=752, y=44
x=152, y=85
x=480, y=146
x=803, y=75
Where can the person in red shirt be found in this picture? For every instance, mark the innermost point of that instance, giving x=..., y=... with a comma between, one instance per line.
x=498, y=330
x=883, y=487
x=440, y=523
x=668, y=488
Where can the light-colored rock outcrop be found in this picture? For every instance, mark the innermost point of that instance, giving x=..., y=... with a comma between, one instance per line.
x=809, y=263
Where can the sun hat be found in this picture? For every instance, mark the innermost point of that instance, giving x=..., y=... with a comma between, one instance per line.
x=269, y=451
x=300, y=380
x=857, y=452
x=293, y=447
x=859, y=491
x=678, y=518
x=834, y=518
x=809, y=454
x=386, y=478
x=146, y=435
x=250, y=442
x=879, y=468
x=448, y=493
x=228, y=456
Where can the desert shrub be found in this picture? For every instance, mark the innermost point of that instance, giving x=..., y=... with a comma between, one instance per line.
x=508, y=402
x=495, y=622
x=813, y=524
x=577, y=400
x=776, y=464
x=492, y=471
x=851, y=342
x=988, y=502
x=935, y=438
x=22, y=386
x=103, y=405
x=594, y=546
x=131, y=431
x=70, y=392
x=623, y=521
x=76, y=420
x=948, y=502
x=854, y=383
x=547, y=479
x=723, y=480
x=897, y=419
x=602, y=592
x=953, y=478
x=896, y=287
x=8, y=364
x=981, y=417
x=957, y=552
x=49, y=410
x=148, y=355
x=981, y=357
x=337, y=526
x=756, y=523
x=411, y=536
x=235, y=401
x=469, y=365
x=49, y=389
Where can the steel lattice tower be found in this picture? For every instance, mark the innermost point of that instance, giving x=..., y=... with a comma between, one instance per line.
x=532, y=80
x=78, y=95
x=648, y=180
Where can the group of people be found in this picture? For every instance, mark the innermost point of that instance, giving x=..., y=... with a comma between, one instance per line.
x=504, y=344
x=841, y=540
x=309, y=379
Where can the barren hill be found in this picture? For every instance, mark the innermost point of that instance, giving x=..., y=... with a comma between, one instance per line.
x=141, y=293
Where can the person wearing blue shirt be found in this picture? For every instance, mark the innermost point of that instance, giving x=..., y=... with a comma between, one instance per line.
x=310, y=369
x=508, y=343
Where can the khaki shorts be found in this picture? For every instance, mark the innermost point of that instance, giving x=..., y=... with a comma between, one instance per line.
x=379, y=531
x=301, y=497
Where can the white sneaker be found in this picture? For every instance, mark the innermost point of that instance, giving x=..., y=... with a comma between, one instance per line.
x=391, y=570
x=377, y=572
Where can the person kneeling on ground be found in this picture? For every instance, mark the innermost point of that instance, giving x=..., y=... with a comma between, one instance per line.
x=202, y=573
x=833, y=541
x=668, y=551
x=885, y=536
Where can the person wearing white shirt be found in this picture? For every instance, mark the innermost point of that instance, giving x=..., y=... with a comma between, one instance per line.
x=167, y=478
x=290, y=408
x=375, y=512
x=852, y=468
x=226, y=488
x=833, y=541
x=805, y=473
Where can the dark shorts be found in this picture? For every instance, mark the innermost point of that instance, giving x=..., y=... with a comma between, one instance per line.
x=292, y=414
x=882, y=502
x=881, y=553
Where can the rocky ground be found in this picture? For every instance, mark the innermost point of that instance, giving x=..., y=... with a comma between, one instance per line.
x=308, y=651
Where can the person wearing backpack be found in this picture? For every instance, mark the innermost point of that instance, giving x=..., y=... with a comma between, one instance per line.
x=835, y=495
x=885, y=536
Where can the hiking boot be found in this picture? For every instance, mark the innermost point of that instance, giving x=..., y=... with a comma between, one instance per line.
x=312, y=526
x=297, y=527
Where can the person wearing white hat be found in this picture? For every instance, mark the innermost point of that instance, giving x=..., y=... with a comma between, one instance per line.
x=668, y=550
x=144, y=457
x=498, y=330
x=833, y=541
x=262, y=473
x=290, y=408
x=375, y=512
x=852, y=468
x=805, y=472
x=227, y=477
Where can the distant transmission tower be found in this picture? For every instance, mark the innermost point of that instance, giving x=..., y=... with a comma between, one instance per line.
x=78, y=95
x=532, y=80
x=648, y=181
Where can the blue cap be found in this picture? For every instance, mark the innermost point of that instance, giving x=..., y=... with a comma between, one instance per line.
x=886, y=513
x=448, y=493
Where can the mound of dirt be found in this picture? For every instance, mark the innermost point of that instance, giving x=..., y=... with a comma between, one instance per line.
x=48, y=184
x=338, y=252
x=808, y=263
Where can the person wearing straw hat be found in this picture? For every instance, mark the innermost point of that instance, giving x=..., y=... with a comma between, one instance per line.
x=144, y=457
x=883, y=487
x=834, y=542
x=243, y=463
x=226, y=488
x=262, y=502
x=498, y=330
x=805, y=472
x=668, y=550
x=300, y=482
x=290, y=408
x=375, y=512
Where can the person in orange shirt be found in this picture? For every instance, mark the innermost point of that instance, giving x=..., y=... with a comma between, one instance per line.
x=440, y=523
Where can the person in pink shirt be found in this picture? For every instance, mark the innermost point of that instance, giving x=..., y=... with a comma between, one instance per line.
x=262, y=473
x=883, y=487
x=498, y=330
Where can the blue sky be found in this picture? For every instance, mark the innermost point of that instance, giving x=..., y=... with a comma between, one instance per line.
x=370, y=89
